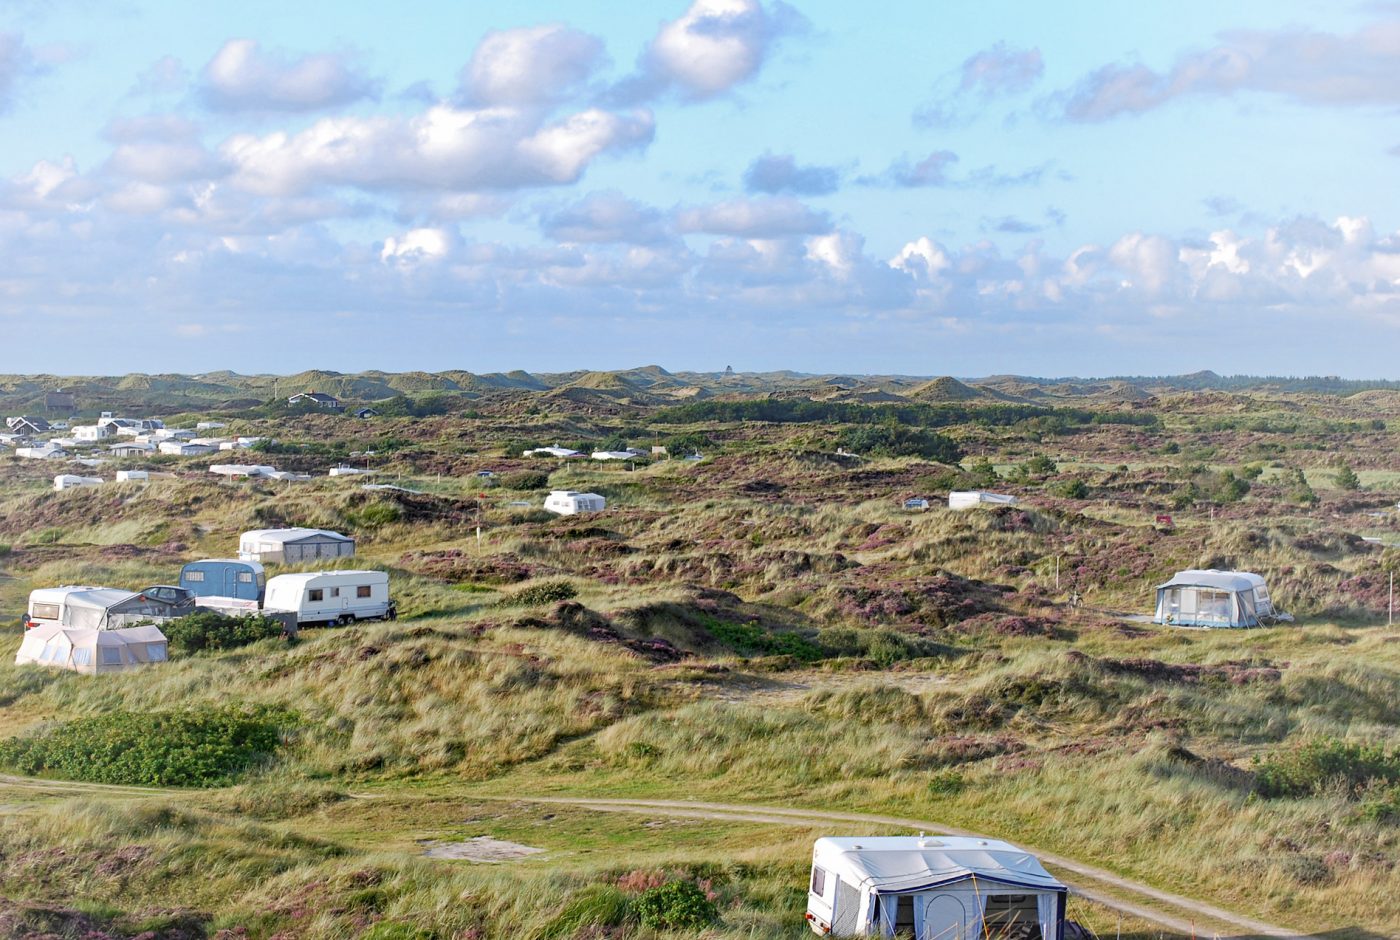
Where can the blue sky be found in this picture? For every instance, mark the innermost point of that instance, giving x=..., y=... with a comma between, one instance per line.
x=925, y=189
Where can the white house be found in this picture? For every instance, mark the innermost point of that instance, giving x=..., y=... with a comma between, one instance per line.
x=616, y=454
x=932, y=888
x=92, y=432
x=971, y=499
x=185, y=449
x=290, y=546
x=91, y=651
x=67, y=481
x=569, y=502
x=332, y=596
x=555, y=451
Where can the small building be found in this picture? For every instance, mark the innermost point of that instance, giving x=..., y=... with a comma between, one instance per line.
x=170, y=434
x=366, y=413
x=916, y=502
x=67, y=481
x=972, y=499
x=932, y=888
x=224, y=578
x=131, y=449
x=59, y=400
x=90, y=651
x=25, y=424
x=569, y=502
x=315, y=400
x=92, y=432
x=291, y=546
x=185, y=449
x=1210, y=598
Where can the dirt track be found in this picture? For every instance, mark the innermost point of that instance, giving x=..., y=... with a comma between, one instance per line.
x=1171, y=911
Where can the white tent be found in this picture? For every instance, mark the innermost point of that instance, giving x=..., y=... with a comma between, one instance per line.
x=936, y=888
x=971, y=499
x=92, y=651
x=1210, y=598
x=289, y=546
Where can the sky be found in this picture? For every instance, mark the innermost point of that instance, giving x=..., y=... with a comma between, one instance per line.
x=912, y=188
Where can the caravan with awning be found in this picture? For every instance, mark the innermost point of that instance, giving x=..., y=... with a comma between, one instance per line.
x=932, y=888
x=1211, y=598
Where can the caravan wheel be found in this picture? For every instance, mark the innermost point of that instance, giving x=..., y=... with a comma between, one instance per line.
x=344, y=620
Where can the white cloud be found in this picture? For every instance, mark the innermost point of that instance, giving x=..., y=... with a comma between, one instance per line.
x=417, y=246
x=445, y=148
x=537, y=65
x=242, y=76
x=1001, y=70
x=1301, y=64
x=753, y=218
x=607, y=217
x=780, y=173
x=714, y=47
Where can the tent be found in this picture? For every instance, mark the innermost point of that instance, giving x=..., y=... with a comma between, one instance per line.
x=944, y=888
x=92, y=651
x=110, y=608
x=1211, y=598
x=289, y=546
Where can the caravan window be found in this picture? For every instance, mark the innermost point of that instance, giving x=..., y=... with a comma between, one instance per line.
x=111, y=656
x=1006, y=913
x=243, y=578
x=362, y=591
x=335, y=592
x=818, y=882
x=316, y=594
x=45, y=611
x=194, y=575
x=82, y=657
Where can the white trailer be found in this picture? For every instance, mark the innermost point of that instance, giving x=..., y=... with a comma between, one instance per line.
x=568, y=502
x=971, y=499
x=339, y=597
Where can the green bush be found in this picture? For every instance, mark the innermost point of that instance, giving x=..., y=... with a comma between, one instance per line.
x=546, y=592
x=946, y=783
x=210, y=630
x=1316, y=766
x=749, y=639
x=1346, y=479
x=189, y=748
x=1073, y=489
x=374, y=516
x=676, y=905
x=525, y=480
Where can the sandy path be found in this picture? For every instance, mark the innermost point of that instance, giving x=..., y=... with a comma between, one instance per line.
x=1187, y=916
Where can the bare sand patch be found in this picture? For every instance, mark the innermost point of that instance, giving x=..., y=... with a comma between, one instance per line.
x=479, y=849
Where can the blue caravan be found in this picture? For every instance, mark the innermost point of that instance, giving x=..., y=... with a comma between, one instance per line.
x=225, y=577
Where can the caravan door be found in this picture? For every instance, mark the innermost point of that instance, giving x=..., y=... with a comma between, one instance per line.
x=940, y=917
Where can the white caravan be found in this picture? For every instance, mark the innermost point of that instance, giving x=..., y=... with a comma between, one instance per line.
x=568, y=502
x=932, y=888
x=339, y=597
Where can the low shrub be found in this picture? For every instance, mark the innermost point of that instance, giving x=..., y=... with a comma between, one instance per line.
x=749, y=639
x=676, y=905
x=535, y=595
x=210, y=630
x=524, y=480
x=1315, y=766
x=189, y=748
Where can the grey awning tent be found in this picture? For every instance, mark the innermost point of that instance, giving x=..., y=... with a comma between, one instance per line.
x=1210, y=598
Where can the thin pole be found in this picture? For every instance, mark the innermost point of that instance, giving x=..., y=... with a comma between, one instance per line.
x=1057, y=574
x=1390, y=617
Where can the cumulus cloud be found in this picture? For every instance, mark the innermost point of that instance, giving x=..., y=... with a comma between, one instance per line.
x=1297, y=63
x=530, y=66
x=160, y=149
x=607, y=217
x=754, y=218
x=446, y=148
x=242, y=76
x=932, y=170
x=936, y=170
x=417, y=246
x=780, y=173
x=712, y=48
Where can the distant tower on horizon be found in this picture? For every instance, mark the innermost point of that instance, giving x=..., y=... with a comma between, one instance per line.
x=728, y=370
